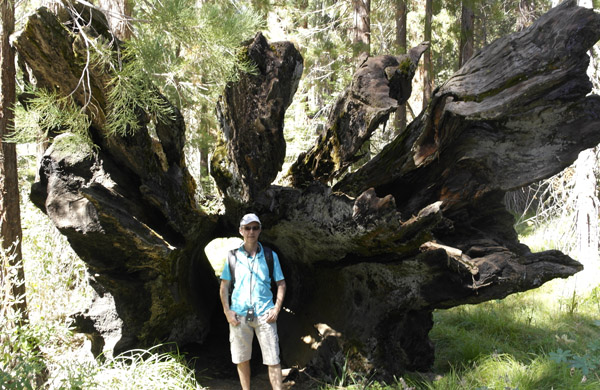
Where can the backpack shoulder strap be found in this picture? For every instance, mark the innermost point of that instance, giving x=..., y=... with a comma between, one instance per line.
x=270, y=264
x=269, y=260
x=231, y=260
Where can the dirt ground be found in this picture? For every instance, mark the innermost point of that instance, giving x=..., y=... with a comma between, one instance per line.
x=260, y=381
x=215, y=371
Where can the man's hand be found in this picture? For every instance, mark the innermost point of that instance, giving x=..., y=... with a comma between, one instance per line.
x=230, y=314
x=272, y=315
x=232, y=318
x=274, y=312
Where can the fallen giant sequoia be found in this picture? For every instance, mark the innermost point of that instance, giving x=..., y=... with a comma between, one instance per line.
x=419, y=227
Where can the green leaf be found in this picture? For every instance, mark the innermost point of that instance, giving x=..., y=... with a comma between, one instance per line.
x=582, y=363
x=560, y=356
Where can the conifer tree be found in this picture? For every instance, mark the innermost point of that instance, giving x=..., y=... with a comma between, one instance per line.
x=427, y=61
x=10, y=214
x=361, y=37
x=466, y=32
x=401, y=14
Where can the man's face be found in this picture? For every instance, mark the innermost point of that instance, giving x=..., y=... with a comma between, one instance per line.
x=250, y=232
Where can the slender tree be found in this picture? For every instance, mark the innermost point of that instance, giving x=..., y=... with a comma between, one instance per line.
x=586, y=202
x=118, y=13
x=467, y=24
x=362, y=27
x=427, y=64
x=401, y=12
x=10, y=214
x=361, y=42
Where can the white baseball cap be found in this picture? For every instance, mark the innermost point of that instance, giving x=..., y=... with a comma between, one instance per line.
x=249, y=218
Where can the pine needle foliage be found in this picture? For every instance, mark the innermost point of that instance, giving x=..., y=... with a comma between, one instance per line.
x=130, y=92
x=191, y=50
x=181, y=50
x=48, y=115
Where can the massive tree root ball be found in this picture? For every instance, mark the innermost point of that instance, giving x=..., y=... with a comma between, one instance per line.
x=420, y=226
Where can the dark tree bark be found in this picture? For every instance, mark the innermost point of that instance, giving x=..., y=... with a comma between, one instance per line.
x=421, y=226
x=379, y=85
x=10, y=212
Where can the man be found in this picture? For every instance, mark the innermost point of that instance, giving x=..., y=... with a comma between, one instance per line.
x=253, y=309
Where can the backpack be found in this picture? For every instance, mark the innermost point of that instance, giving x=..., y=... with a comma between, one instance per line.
x=232, y=260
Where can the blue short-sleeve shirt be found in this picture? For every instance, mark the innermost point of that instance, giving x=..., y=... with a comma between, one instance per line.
x=252, y=281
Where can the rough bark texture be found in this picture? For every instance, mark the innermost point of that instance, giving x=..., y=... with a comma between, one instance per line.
x=118, y=14
x=420, y=227
x=251, y=113
x=401, y=24
x=127, y=208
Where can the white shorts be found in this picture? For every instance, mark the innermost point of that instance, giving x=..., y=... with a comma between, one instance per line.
x=241, y=337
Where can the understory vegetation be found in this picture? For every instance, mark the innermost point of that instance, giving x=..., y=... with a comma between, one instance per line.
x=540, y=339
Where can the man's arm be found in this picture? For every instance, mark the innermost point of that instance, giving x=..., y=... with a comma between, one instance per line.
x=274, y=312
x=229, y=314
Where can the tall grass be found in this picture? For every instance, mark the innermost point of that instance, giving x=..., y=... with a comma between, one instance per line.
x=528, y=341
x=516, y=342
x=146, y=369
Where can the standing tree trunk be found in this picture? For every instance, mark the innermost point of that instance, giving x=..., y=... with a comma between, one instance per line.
x=361, y=41
x=10, y=213
x=401, y=13
x=118, y=14
x=361, y=37
x=586, y=222
x=427, y=64
x=467, y=24
x=587, y=202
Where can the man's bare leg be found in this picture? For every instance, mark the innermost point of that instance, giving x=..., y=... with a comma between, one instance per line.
x=275, y=377
x=244, y=372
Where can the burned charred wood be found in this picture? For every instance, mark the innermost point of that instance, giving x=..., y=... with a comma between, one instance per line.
x=126, y=205
x=250, y=113
x=379, y=85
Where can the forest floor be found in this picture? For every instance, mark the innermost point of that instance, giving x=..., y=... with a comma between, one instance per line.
x=260, y=381
x=215, y=371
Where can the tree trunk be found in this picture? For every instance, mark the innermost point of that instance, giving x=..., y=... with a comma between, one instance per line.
x=586, y=201
x=401, y=14
x=419, y=227
x=427, y=64
x=362, y=27
x=467, y=24
x=10, y=213
x=118, y=14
